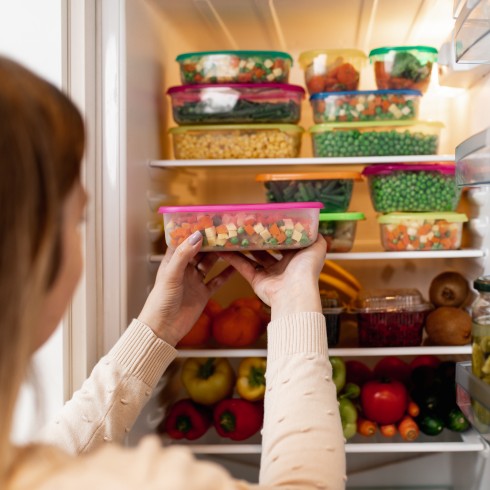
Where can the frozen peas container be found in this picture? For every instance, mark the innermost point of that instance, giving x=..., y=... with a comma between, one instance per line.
x=403, y=67
x=339, y=230
x=236, y=103
x=365, y=105
x=412, y=187
x=421, y=231
x=333, y=189
x=232, y=227
x=390, y=317
x=234, y=67
x=377, y=138
x=332, y=70
x=236, y=141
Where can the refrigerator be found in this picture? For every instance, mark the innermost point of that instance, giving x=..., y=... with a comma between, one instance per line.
x=120, y=60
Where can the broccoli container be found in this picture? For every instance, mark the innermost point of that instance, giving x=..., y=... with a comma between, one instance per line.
x=377, y=138
x=333, y=189
x=234, y=67
x=403, y=67
x=365, y=105
x=236, y=103
x=278, y=226
x=339, y=230
x=412, y=187
x=421, y=231
x=390, y=317
x=236, y=141
x=332, y=70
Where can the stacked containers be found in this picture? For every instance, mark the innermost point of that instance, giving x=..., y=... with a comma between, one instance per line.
x=352, y=123
x=236, y=104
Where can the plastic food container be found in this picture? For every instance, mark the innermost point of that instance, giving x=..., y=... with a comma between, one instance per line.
x=333, y=189
x=236, y=103
x=421, y=231
x=238, y=141
x=332, y=310
x=332, y=70
x=473, y=398
x=234, y=67
x=412, y=187
x=365, y=105
x=377, y=138
x=339, y=230
x=390, y=317
x=244, y=226
x=403, y=67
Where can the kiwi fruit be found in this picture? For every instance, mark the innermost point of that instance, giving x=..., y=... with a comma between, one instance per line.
x=448, y=289
x=448, y=325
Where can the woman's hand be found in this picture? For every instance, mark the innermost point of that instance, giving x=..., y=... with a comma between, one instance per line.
x=288, y=285
x=180, y=292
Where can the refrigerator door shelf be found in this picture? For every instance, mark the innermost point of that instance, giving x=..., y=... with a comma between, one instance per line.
x=472, y=32
x=473, y=160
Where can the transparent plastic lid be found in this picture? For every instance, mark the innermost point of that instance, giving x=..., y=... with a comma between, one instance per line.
x=424, y=53
x=240, y=53
x=482, y=284
x=354, y=93
x=341, y=216
x=372, y=124
x=390, y=218
x=218, y=87
x=382, y=300
x=309, y=176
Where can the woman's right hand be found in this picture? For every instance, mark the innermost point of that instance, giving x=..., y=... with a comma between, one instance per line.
x=290, y=284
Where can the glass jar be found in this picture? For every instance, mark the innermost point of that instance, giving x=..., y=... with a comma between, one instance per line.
x=480, y=331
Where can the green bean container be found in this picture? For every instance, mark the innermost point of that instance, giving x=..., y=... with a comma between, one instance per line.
x=376, y=138
x=413, y=187
x=332, y=189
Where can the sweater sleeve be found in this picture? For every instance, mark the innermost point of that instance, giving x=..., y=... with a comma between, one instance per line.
x=302, y=439
x=110, y=400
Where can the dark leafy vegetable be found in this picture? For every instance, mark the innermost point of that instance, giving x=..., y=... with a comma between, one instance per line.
x=406, y=65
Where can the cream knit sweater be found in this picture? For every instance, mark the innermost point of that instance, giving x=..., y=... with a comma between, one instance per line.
x=302, y=442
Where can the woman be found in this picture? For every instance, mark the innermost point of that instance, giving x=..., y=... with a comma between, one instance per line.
x=42, y=203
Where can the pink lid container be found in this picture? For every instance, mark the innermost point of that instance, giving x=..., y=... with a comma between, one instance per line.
x=240, y=227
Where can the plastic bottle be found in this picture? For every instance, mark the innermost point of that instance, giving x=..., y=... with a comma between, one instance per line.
x=480, y=331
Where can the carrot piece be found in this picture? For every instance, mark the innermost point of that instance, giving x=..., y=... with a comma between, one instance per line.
x=385, y=105
x=221, y=229
x=250, y=221
x=413, y=409
x=388, y=430
x=365, y=427
x=408, y=428
x=281, y=237
x=205, y=222
x=249, y=229
x=274, y=230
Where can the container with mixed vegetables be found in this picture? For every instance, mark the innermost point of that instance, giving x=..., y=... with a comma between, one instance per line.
x=339, y=230
x=365, y=105
x=244, y=227
x=234, y=67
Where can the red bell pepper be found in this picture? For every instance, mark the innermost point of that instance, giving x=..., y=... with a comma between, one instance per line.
x=238, y=419
x=187, y=419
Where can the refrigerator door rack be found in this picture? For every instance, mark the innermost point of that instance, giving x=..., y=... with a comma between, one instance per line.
x=473, y=160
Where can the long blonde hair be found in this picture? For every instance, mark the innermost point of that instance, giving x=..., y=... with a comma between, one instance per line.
x=41, y=147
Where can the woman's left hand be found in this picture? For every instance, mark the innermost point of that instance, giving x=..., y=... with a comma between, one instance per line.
x=180, y=292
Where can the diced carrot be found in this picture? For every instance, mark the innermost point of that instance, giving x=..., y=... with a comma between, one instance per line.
x=221, y=229
x=249, y=221
x=274, y=230
x=249, y=229
x=205, y=222
x=281, y=237
x=385, y=105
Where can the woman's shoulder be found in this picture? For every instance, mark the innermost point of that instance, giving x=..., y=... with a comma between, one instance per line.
x=147, y=465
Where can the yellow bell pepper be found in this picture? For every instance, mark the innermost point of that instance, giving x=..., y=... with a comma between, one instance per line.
x=250, y=383
x=207, y=380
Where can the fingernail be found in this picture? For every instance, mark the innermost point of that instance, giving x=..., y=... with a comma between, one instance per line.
x=195, y=237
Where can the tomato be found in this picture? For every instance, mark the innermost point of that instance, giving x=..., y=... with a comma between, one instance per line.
x=199, y=334
x=424, y=360
x=384, y=401
x=357, y=372
x=392, y=367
